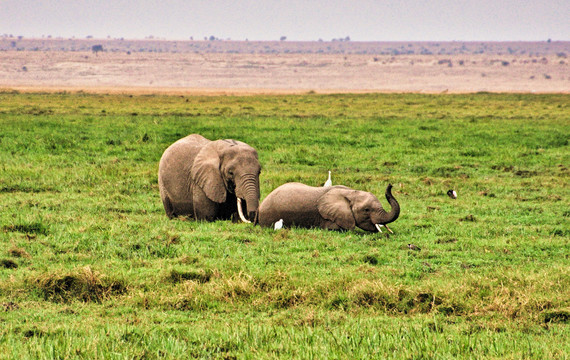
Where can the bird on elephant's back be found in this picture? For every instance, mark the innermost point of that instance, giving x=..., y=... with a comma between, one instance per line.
x=335, y=208
x=209, y=180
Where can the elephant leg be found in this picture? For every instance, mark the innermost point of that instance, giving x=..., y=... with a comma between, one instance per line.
x=168, y=207
x=204, y=208
x=228, y=210
x=329, y=225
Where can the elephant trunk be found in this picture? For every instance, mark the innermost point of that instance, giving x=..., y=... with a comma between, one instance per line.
x=248, y=189
x=388, y=217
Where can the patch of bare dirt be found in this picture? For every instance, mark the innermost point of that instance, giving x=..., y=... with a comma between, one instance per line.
x=283, y=71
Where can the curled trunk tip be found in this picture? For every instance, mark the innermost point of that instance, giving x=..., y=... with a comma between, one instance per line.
x=388, y=190
x=395, y=211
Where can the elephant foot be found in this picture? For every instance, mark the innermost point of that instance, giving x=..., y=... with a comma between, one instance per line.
x=168, y=208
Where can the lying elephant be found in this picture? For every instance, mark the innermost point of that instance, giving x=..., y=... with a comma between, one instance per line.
x=209, y=180
x=334, y=208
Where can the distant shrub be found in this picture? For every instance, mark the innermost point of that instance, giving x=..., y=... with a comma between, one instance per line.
x=97, y=48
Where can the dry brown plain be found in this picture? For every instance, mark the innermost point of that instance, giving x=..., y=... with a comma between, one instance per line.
x=238, y=67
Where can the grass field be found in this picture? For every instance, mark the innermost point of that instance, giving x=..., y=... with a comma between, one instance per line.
x=90, y=266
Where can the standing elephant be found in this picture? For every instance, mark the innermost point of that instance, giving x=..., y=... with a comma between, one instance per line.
x=335, y=208
x=209, y=180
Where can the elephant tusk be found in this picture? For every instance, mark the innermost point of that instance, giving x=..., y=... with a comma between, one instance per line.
x=240, y=212
x=378, y=227
x=388, y=229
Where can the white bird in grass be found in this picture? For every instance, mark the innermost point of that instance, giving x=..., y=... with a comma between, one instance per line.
x=329, y=181
x=278, y=224
x=452, y=194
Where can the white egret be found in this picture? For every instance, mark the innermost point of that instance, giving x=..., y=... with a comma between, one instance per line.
x=278, y=224
x=329, y=181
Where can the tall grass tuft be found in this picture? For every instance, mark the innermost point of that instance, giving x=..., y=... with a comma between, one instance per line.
x=85, y=285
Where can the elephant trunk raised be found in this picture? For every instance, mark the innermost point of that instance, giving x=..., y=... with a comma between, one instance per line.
x=247, y=188
x=382, y=217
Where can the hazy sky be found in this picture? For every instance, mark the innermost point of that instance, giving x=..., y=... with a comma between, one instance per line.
x=362, y=20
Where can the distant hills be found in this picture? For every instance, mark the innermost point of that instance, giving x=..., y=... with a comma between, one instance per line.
x=561, y=48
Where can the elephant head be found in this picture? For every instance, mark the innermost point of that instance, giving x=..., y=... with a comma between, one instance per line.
x=348, y=208
x=229, y=167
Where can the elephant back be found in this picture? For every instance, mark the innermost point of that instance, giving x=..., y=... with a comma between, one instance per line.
x=295, y=203
x=180, y=156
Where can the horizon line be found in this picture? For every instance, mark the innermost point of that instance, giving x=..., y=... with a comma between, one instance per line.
x=207, y=39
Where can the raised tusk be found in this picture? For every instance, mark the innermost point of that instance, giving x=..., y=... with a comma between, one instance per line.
x=240, y=212
x=388, y=229
x=378, y=227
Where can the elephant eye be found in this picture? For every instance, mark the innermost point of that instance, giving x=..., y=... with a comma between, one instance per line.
x=231, y=172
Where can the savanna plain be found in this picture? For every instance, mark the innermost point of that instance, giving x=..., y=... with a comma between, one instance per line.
x=90, y=266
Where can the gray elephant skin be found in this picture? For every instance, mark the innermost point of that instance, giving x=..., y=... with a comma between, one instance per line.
x=207, y=179
x=335, y=208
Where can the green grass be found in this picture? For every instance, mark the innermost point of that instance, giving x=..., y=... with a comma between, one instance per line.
x=90, y=266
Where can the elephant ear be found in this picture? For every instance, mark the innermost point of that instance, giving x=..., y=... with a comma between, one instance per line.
x=335, y=206
x=206, y=173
